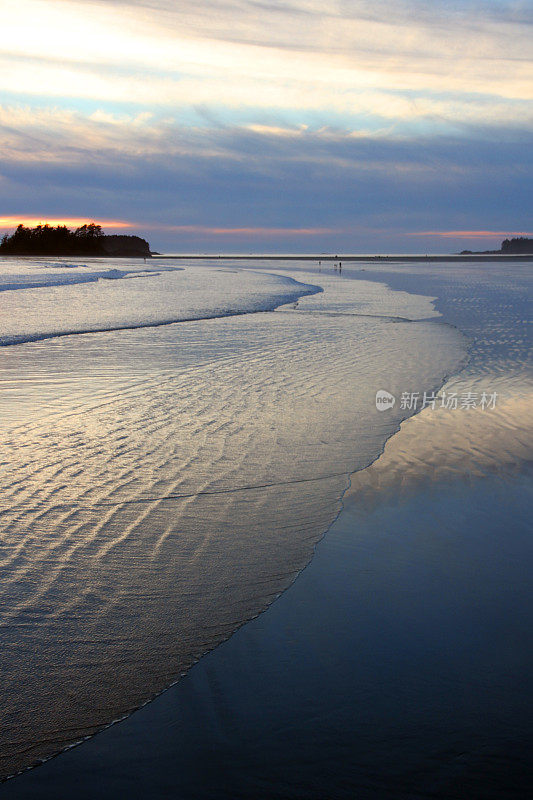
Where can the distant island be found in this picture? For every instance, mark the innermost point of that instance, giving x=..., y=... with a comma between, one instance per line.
x=88, y=240
x=520, y=246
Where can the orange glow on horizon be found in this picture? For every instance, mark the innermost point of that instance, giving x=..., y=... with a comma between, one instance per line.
x=12, y=222
x=470, y=234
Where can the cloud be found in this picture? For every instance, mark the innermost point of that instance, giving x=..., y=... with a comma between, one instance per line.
x=469, y=234
x=301, y=55
x=264, y=185
x=246, y=232
x=235, y=119
x=60, y=136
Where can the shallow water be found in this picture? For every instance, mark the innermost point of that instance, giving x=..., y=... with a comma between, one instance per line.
x=42, y=299
x=163, y=485
x=398, y=664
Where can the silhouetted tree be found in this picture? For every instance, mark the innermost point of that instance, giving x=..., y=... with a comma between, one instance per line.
x=519, y=245
x=59, y=241
x=87, y=240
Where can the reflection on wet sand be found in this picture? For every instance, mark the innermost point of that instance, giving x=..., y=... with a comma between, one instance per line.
x=171, y=482
x=444, y=444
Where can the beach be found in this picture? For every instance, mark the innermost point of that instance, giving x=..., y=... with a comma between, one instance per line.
x=395, y=664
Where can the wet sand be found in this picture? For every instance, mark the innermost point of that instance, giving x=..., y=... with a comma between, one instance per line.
x=163, y=485
x=327, y=257
x=394, y=667
x=397, y=664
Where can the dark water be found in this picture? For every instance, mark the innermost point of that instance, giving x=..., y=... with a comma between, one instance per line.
x=396, y=666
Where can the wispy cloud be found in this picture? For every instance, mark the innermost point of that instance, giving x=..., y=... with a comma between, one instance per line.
x=469, y=234
x=245, y=232
x=57, y=135
x=298, y=55
x=235, y=119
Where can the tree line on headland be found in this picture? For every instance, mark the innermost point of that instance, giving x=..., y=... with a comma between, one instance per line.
x=520, y=245
x=87, y=240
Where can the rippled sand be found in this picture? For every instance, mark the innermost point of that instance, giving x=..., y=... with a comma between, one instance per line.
x=162, y=486
x=446, y=444
x=492, y=305
x=397, y=663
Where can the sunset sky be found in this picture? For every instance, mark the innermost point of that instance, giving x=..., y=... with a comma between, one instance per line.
x=292, y=125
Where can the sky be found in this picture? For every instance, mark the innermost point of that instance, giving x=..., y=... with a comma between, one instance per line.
x=270, y=125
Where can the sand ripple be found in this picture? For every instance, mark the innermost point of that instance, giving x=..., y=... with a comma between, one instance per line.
x=169, y=485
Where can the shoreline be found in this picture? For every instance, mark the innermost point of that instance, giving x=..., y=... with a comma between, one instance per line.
x=162, y=698
x=454, y=258
x=466, y=259
x=157, y=732
x=293, y=547
x=75, y=745
x=351, y=477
